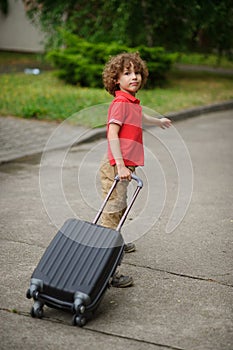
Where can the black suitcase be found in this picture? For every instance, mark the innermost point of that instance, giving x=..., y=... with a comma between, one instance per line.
x=78, y=265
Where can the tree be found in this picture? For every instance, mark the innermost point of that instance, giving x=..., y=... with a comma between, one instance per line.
x=203, y=25
x=215, y=32
x=4, y=6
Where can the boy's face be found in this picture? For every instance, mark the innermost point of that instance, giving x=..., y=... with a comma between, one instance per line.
x=130, y=80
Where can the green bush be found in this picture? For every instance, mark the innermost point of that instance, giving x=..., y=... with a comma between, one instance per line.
x=81, y=62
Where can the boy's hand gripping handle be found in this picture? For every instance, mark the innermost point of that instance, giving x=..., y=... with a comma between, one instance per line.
x=116, y=180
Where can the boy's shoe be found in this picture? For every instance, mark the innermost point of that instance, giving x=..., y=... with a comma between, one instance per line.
x=120, y=281
x=129, y=248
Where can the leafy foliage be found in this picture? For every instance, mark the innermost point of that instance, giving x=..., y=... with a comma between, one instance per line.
x=196, y=25
x=82, y=62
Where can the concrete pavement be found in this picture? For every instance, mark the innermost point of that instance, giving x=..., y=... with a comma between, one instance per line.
x=22, y=137
x=182, y=298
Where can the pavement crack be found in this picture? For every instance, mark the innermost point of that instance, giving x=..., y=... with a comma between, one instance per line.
x=23, y=242
x=206, y=279
x=135, y=339
x=199, y=278
x=27, y=314
x=115, y=335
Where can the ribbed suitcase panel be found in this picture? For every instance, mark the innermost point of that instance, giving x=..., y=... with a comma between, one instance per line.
x=79, y=258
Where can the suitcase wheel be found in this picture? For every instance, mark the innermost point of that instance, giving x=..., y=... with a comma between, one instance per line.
x=78, y=321
x=37, y=310
x=28, y=294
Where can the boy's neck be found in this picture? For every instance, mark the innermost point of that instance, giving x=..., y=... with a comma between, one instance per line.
x=129, y=93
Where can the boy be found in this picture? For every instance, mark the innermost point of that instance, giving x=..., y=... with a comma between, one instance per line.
x=123, y=76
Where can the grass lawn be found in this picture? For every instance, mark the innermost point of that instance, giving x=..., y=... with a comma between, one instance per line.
x=205, y=60
x=188, y=89
x=46, y=97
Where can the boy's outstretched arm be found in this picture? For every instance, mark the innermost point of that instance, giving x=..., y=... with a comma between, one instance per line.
x=162, y=122
x=114, y=142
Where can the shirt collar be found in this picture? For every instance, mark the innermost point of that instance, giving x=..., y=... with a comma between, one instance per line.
x=128, y=96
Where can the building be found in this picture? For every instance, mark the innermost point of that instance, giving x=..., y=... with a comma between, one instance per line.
x=17, y=33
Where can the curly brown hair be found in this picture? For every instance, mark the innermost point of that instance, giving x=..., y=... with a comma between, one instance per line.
x=115, y=66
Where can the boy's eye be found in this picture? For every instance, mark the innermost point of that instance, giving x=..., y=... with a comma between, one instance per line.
x=127, y=73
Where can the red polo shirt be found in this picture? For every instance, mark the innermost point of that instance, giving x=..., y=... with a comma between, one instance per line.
x=125, y=110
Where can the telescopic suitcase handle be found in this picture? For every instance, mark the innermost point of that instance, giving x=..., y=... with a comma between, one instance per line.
x=116, y=180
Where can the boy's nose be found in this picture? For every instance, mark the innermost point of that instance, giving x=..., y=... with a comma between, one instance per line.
x=134, y=76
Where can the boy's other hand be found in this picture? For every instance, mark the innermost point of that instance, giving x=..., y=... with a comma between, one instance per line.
x=165, y=123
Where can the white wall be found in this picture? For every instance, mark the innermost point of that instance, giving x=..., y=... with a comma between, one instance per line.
x=16, y=31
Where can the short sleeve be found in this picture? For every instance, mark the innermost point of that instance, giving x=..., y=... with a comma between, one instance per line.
x=118, y=112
